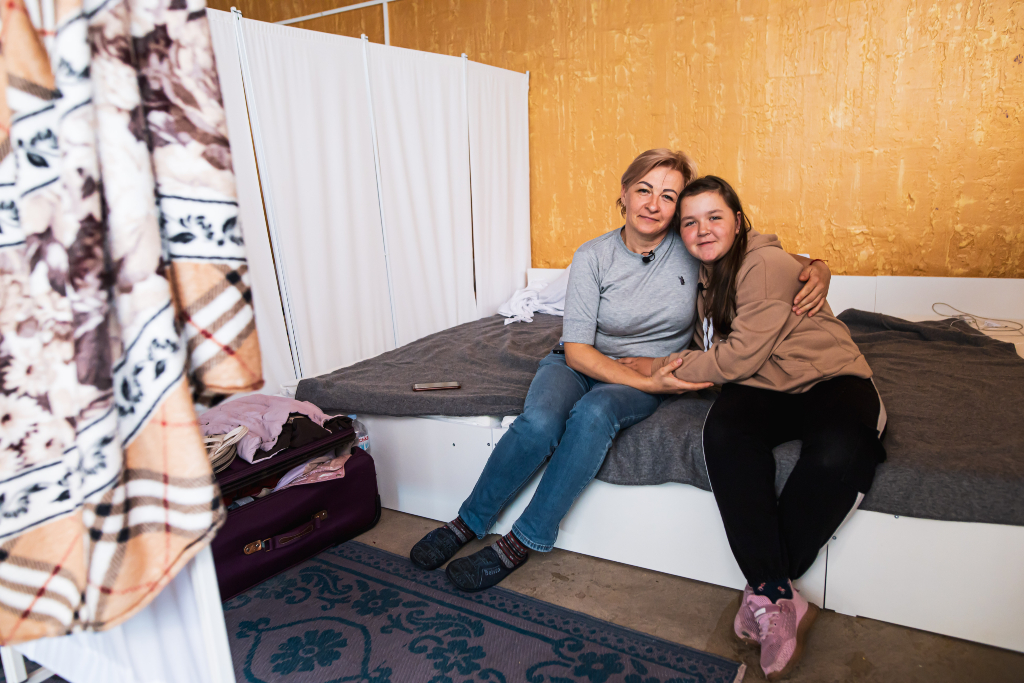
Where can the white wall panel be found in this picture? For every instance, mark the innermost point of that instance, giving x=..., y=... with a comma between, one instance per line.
x=419, y=110
x=499, y=142
x=266, y=299
x=891, y=568
x=852, y=291
x=310, y=95
x=913, y=296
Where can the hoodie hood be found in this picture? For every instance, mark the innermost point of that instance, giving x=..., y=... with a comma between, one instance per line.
x=756, y=240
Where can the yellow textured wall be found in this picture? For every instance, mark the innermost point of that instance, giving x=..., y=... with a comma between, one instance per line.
x=883, y=136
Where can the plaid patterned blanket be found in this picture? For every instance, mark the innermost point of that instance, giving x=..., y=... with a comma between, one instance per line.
x=124, y=296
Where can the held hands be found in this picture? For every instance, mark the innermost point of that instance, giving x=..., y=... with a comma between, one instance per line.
x=662, y=381
x=811, y=298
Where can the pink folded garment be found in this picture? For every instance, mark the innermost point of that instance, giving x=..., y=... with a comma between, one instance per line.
x=324, y=468
x=263, y=415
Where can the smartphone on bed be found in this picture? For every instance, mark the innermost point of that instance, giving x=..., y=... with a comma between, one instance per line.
x=435, y=386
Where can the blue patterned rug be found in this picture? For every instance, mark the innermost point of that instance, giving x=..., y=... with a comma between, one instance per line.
x=356, y=613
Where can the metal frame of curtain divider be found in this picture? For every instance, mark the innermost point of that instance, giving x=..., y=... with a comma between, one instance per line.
x=263, y=168
x=349, y=8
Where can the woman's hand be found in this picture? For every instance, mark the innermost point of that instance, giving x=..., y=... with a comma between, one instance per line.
x=591, y=362
x=641, y=365
x=811, y=298
x=664, y=382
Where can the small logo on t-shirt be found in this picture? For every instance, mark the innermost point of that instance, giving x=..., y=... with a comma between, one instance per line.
x=682, y=280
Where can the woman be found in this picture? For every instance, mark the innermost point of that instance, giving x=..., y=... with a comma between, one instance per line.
x=783, y=377
x=631, y=292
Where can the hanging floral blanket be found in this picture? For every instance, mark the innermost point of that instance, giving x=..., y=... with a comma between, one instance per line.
x=124, y=296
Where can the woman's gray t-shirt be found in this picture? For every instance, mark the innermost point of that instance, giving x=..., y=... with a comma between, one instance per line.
x=625, y=307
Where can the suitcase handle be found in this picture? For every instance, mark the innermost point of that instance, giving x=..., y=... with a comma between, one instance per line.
x=287, y=537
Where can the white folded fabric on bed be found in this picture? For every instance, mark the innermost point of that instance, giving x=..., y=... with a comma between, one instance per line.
x=543, y=298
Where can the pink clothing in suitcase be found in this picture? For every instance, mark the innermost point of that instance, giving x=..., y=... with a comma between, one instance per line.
x=263, y=415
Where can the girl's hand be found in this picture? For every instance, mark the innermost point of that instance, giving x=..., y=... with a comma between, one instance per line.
x=640, y=365
x=811, y=298
x=664, y=382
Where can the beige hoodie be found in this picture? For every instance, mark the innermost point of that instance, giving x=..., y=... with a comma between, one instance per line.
x=770, y=347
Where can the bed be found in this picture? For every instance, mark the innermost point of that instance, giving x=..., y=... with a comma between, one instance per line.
x=948, y=505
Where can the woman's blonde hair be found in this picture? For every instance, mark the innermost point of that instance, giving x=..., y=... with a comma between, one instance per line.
x=652, y=159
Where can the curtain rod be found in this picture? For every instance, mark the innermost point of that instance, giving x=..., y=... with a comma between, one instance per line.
x=348, y=8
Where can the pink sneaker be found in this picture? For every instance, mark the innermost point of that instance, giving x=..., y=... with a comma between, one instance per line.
x=782, y=631
x=744, y=624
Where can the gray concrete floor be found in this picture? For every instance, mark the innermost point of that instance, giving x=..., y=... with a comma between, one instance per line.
x=699, y=615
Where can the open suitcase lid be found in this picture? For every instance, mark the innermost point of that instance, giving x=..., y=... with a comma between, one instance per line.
x=240, y=474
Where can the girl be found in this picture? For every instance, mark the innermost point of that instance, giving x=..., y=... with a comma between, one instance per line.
x=784, y=377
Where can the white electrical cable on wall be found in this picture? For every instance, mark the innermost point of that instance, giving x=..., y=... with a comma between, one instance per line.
x=278, y=367
x=380, y=193
x=318, y=162
x=268, y=199
x=499, y=140
x=418, y=102
x=469, y=143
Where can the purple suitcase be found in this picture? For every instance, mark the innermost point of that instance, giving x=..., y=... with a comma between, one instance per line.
x=284, y=528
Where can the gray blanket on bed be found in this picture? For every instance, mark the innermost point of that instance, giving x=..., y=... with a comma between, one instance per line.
x=955, y=436
x=954, y=399
x=955, y=402
x=494, y=362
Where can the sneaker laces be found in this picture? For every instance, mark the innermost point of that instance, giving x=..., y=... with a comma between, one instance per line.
x=767, y=619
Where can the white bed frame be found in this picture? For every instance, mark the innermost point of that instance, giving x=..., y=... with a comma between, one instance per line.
x=892, y=568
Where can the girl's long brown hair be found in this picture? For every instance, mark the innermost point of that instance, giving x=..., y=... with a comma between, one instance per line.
x=720, y=293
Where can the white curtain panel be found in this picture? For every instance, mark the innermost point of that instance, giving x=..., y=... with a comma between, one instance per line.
x=420, y=114
x=499, y=143
x=266, y=298
x=313, y=110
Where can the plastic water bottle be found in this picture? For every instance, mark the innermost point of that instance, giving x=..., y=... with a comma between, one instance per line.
x=362, y=436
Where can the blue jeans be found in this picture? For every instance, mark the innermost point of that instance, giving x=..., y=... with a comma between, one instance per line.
x=570, y=418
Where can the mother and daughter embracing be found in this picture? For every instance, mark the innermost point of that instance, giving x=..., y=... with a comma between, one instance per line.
x=684, y=296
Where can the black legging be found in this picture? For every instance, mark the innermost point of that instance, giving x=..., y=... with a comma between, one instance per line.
x=840, y=422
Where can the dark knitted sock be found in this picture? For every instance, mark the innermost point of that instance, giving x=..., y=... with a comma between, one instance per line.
x=510, y=550
x=489, y=566
x=441, y=544
x=461, y=529
x=774, y=590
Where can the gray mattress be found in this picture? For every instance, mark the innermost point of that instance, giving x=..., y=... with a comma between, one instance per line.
x=954, y=397
x=494, y=362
